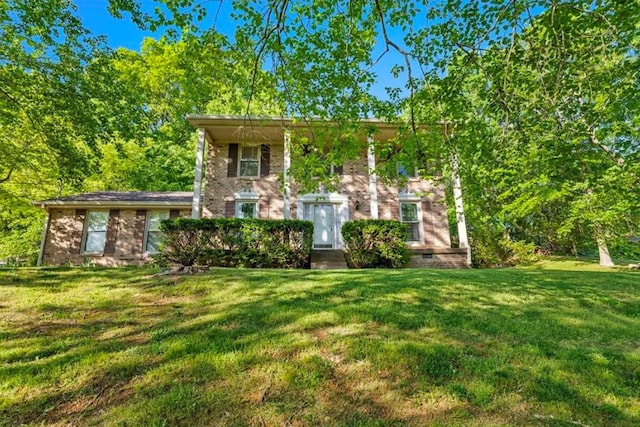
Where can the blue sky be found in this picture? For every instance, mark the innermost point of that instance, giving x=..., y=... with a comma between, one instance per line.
x=124, y=33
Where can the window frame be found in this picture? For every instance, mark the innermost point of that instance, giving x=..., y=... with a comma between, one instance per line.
x=241, y=202
x=410, y=171
x=418, y=220
x=258, y=160
x=85, y=232
x=147, y=230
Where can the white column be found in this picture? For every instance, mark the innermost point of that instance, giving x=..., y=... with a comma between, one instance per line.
x=373, y=179
x=197, y=182
x=460, y=217
x=287, y=178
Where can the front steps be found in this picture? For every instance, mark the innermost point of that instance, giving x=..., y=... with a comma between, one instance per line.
x=328, y=259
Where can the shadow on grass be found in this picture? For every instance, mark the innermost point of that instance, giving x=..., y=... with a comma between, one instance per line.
x=270, y=347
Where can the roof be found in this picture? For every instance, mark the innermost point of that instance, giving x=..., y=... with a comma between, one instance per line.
x=228, y=127
x=123, y=198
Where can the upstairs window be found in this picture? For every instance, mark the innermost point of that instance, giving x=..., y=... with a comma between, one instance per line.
x=95, y=232
x=409, y=216
x=249, y=161
x=406, y=170
x=154, y=235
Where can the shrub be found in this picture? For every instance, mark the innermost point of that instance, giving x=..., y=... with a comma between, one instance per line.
x=375, y=243
x=231, y=242
x=492, y=250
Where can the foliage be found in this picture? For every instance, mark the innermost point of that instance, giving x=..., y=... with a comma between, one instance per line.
x=361, y=347
x=76, y=116
x=489, y=249
x=375, y=243
x=231, y=242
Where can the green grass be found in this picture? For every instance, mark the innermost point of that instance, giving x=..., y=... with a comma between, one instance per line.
x=556, y=344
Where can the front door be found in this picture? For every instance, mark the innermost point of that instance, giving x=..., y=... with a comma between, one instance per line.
x=323, y=226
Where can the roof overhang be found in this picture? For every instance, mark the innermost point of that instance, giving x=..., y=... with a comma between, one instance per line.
x=271, y=128
x=111, y=204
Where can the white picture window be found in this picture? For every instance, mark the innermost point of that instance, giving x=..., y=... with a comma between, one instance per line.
x=249, y=161
x=246, y=209
x=409, y=215
x=153, y=238
x=95, y=231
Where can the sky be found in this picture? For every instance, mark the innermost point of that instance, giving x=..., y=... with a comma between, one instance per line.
x=124, y=33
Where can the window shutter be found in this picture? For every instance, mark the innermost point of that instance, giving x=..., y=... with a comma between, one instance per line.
x=229, y=209
x=263, y=206
x=338, y=169
x=265, y=160
x=232, y=166
x=80, y=216
x=138, y=231
x=112, y=232
x=427, y=222
x=174, y=213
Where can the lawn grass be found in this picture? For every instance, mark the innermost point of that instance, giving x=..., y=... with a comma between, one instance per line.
x=551, y=345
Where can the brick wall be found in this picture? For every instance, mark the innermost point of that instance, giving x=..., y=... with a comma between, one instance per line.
x=64, y=237
x=220, y=189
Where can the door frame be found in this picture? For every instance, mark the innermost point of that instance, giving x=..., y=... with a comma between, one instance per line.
x=340, y=204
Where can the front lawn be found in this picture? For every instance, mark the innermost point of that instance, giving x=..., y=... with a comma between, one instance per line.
x=540, y=346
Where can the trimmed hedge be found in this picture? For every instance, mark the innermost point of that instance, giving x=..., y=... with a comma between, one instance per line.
x=231, y=242
x=372, y=243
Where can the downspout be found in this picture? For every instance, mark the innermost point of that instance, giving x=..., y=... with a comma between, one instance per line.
x=373, y=178
x=196, y=204
x=45, y=232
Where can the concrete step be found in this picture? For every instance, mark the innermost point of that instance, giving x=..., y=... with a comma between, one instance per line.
x=328, y=260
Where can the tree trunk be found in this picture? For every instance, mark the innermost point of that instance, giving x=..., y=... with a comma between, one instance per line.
x=603, y=250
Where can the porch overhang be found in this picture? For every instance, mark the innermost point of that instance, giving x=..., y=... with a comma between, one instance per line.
x=272, y=128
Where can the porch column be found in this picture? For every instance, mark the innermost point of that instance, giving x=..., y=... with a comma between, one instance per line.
x=373, y=178
x=460, y=217
x=197, y=183
x=287, y=178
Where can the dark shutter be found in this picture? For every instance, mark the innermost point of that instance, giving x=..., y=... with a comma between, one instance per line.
x=174, y=213
x=337, y=169
x=263, y=205
x=232, y=166
x=80, y=216
x=112, y=231
x=229, y=209
x=265, y=159
x=427, y=222
x=138, y=231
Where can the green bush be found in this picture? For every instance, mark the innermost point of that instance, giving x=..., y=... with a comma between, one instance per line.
x=494, y=250
x=231, y=242
x=375, y=243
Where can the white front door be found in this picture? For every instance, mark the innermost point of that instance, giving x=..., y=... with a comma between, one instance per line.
x=323, y=226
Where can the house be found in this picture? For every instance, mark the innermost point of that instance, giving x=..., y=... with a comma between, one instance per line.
x=107, y=228
x=242, y=170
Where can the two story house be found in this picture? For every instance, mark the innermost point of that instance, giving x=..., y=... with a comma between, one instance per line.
x=242, y=170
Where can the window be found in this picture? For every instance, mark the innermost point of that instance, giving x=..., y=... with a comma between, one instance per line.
x=249, y=161
x=153, y=239
x=406, y=171
x=246, y=209
x=95, y=231
x=409, y=215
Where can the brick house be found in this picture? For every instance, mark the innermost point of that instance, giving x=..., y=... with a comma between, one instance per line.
x=242, y=170
x=107, y=228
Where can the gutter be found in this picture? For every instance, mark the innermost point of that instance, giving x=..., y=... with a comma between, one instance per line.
x=93, y=204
